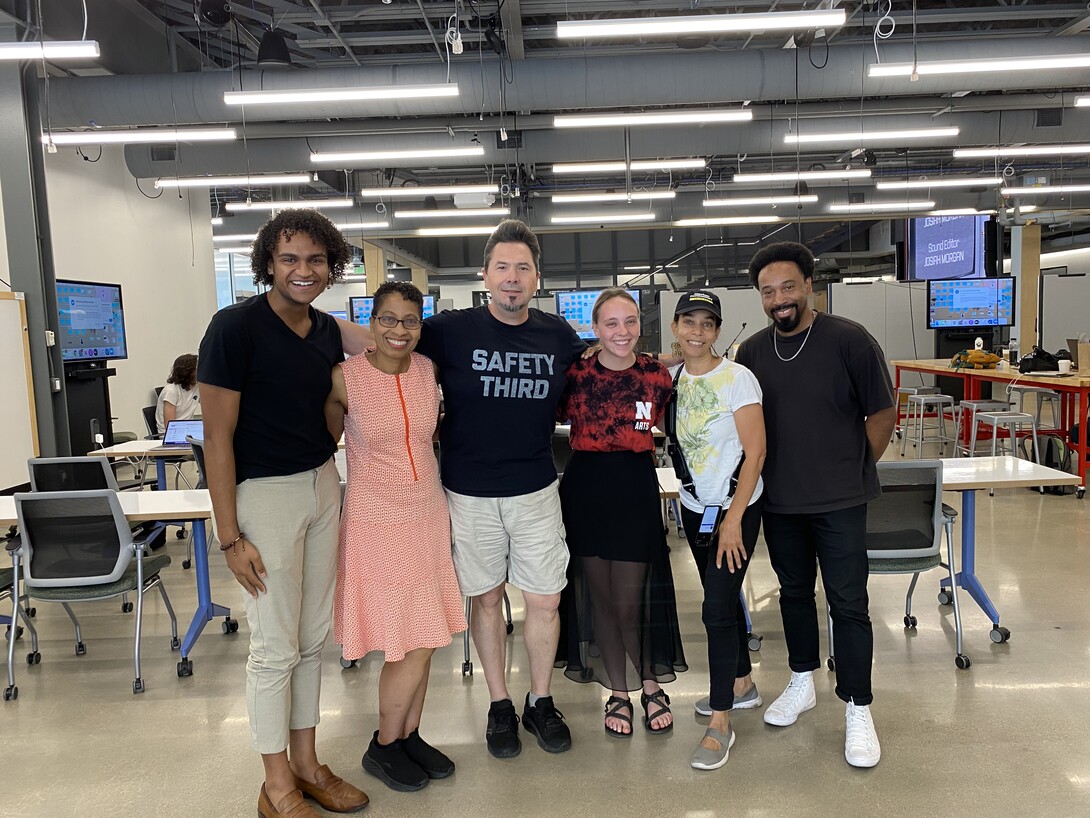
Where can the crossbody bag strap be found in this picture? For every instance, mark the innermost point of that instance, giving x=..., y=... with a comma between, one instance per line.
x=673, y=448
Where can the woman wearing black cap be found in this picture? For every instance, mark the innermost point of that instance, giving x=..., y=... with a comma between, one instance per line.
x=721, y=436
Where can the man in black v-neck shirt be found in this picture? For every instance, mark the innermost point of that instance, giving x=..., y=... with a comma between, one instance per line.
x=264, y=372
x=829, y=413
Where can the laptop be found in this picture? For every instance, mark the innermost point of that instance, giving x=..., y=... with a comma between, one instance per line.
x=178, y=430
x=1073, y=348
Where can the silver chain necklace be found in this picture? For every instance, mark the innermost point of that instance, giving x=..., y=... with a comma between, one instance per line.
x=802, y=346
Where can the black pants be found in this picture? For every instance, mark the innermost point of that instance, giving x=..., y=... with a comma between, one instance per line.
x=722, y=613
x=797, y=543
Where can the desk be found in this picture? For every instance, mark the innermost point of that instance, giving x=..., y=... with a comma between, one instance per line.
x=142, y=450
x=669, y=488
x=140, y=506
x=1074, y=392
x=966, y=475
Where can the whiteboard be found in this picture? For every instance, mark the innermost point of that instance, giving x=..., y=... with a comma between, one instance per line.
x=739, y=306
x=1064, y=311
x=17, y=419
x=894, y=312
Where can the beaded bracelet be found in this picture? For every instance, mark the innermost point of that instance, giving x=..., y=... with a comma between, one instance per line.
x=225, y=545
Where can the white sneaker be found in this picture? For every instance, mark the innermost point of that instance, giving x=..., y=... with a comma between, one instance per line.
x=797, y=697
x=861, y=747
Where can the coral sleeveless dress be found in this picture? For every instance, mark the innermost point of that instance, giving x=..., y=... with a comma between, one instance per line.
x=396, y=588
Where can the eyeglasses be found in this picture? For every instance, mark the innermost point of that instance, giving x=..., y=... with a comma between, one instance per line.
x=390, y=322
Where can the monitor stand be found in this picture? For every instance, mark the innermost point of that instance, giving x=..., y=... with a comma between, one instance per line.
x=87, y=392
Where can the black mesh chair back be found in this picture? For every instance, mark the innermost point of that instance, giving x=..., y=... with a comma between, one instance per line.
x=71, y=474
x=906, y=522
x=73, y=538
x=198, y=457
x=149, y=421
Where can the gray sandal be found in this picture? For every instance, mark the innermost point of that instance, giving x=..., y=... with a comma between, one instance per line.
x=705, y=759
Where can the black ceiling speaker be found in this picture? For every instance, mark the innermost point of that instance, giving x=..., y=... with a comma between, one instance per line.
x=215, y=12
x=273, y=51
x=493, y=37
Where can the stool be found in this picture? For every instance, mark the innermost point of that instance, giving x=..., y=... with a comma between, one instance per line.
x=918, y=406
x=1043, y=395
x=1013, y=423
x=972, y=407
x=905, y=392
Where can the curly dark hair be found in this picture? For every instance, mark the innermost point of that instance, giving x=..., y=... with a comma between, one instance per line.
x=290, y=222
x=782, y=251
x=513, y=230
x=405, y=289
x=184, y=371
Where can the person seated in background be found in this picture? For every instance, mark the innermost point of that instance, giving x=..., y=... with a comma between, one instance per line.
x=396, y=588
x=179, y=399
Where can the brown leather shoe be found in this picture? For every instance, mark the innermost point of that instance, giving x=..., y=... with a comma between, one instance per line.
x=291, y=805
x=333, y=792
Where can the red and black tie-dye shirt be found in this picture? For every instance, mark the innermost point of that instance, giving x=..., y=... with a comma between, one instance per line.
x=614, y=411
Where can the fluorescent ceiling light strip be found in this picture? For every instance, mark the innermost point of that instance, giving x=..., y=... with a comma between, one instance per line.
x=1082, y=102
x=637, y=267
x=642, y=196
x=304, y=95
x=217, y=221
x=380, y=225
x=235, y=237
x=750, y=201
x=1044, y=191
x=726, y=220
x=1024, y=208
x=868, y=207
x=244, y=250
x=384, y=156
x=452, y=213
x=53, y=50
x=656, y=118
x=1028, y=150
x=619, y=167
x=233, y=181
x=699, y=24
x=602, y=218
x=924, y=184
x=288, y=205
x=933, y=67
x=803, y=176
x=962, y=211
x=142, y=135
x=409, y=192
x=481, y=230
x=870, y=136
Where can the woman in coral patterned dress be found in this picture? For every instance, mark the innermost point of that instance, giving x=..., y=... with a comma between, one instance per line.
x=396, y=588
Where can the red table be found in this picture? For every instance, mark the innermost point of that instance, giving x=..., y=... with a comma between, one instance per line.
x=1074, y=396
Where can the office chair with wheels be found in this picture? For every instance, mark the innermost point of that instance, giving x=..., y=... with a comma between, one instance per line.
x=14, y=630
x=905, y=528
x=76, y=546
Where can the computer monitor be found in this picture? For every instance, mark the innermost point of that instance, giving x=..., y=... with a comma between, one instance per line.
x=91, y=321
x=972, y=303
x=342, y=314
x=361, y=306
x=575, y=306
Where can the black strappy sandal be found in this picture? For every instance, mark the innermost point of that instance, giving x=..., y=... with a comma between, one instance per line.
x=616, y=712
x=660, y=699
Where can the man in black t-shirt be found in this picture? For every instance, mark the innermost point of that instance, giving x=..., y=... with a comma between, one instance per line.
x=264, y=372
x=502, y=368
x=829, y=413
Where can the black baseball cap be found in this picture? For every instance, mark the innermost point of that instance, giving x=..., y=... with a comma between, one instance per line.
x=699, y=300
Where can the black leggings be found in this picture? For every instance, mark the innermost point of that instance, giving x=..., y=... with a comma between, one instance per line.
x=728, y=649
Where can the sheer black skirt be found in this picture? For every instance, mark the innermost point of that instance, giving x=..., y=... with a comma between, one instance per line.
x=618, y=613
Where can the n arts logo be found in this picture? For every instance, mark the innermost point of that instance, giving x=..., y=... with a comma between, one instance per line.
x=643, y=415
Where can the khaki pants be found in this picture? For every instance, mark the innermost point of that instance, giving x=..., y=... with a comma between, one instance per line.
x=294, y=522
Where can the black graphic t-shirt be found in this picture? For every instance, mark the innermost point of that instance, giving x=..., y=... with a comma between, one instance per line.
x=501, y=386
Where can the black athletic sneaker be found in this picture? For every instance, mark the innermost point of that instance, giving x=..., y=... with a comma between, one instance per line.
x=393, y=767
x=502, y=733
x=432, y=761
x=547, y=723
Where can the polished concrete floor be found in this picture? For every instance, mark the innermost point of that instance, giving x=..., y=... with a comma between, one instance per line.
x=1008, y=737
